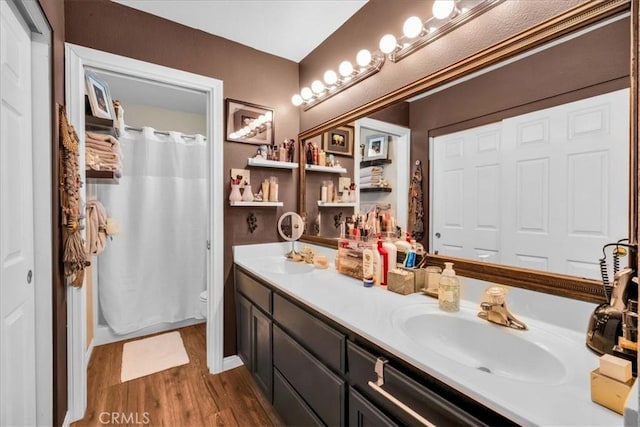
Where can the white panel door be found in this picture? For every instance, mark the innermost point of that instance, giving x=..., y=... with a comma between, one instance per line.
x=17, y=336
x=466, y=176
x=570, y=171
x=544, y=190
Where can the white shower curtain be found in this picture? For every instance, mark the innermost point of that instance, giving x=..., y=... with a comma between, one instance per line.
x=154, y=270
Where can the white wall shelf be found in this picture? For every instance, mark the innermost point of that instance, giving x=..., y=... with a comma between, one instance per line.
x=257, y=204
x=336, y=205
x=331, y=169
x=252, y=161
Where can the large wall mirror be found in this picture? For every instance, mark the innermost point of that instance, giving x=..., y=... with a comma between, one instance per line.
x=527, y=151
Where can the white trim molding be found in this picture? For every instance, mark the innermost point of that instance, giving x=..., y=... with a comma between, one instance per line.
x=77, y=58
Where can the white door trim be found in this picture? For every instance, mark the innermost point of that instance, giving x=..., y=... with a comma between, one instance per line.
x=403, y=168
x=42, y=103
x=77, y=57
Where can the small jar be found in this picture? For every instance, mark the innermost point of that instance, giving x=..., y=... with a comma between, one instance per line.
x=273, y=189
x=247, y=195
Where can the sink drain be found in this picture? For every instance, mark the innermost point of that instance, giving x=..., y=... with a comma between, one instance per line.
x=484, y=369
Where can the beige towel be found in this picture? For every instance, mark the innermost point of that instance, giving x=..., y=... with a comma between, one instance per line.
x=96, y=227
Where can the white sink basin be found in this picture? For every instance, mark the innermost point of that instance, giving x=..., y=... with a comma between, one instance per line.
x=280, y=265
x=464, y=338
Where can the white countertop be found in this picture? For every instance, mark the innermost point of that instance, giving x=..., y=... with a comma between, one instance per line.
x=373, y=313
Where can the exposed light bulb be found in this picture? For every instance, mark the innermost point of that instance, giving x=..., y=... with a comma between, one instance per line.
x=296, y=100
x=330, y=77
x=388, y=43
x=363, y=58
x=306, y=93
x=443, y=8
x=412, y=27
x=268, y=116
x=345, y=69
x=317, y=86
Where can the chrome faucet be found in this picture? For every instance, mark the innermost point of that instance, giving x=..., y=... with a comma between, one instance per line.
x=494, y=309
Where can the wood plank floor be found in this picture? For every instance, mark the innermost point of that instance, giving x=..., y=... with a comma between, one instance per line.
x=178, y=397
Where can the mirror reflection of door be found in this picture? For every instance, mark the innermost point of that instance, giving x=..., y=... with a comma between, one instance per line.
x=544, y=190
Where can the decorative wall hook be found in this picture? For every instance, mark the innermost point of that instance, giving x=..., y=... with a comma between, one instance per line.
x=252, y=221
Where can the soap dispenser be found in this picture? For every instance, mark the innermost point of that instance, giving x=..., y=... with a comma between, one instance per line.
x=449, y=289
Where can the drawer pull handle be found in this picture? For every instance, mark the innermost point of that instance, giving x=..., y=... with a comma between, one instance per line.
x=401, y=405
x=377, y=386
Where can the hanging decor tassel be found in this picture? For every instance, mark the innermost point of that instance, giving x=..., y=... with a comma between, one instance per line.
x=416, y=206
x=74, y=256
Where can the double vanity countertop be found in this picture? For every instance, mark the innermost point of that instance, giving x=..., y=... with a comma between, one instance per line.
x=540, y=376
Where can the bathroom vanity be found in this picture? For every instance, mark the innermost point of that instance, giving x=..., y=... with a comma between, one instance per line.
x=327, y=351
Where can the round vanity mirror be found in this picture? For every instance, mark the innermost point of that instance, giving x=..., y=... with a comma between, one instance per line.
x=291, y=227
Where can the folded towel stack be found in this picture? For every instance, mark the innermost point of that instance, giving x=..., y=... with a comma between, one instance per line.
x=372, y=177
x=103, y=153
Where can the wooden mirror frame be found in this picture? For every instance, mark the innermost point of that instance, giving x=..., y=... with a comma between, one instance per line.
x=572, y=20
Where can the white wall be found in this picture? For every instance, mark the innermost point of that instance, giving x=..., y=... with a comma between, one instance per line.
x=137, y=116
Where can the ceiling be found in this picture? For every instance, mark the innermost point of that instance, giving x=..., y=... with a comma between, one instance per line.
x=290, y=29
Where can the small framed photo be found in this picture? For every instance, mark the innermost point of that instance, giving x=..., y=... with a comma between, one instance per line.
x=339, y=141
x=376, y=147
x=99, y=96
x=249, y=123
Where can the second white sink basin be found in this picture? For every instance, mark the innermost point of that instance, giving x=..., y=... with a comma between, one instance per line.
x=497, y=350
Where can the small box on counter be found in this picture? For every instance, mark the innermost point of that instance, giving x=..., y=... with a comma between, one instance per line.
x=609, y=392
x=615, y=367
x=419, y=278
x=400, y=281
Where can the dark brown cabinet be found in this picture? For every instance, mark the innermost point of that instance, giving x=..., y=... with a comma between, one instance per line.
x=316, y=372
x=254, y=330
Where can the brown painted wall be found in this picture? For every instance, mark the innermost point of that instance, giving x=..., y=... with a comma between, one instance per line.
x=54, y=12
x=248, y=75
x=379, y=17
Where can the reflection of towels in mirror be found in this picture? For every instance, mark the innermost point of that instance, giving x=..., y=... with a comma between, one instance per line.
x=371, y=170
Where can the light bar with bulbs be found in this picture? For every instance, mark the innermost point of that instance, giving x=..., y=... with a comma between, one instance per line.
x=367, y=64
x=447, y=14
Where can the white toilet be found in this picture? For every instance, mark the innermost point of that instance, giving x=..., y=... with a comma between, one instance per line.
x=203, y=304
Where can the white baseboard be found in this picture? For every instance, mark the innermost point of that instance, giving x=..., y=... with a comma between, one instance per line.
x=89, y=353
x=67, y=420
x=231, y=362
x=104, y=334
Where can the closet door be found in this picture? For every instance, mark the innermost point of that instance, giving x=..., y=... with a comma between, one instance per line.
x=567, y=170
x=17, y=297
x=466, y=200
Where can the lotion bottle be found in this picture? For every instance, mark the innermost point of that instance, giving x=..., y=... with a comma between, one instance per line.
x=449, y=289
x=367, y=268
x=392, y=253
x=377, y=266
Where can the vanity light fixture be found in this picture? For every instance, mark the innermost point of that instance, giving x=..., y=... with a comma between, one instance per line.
x=367, y=64
x=447, y=14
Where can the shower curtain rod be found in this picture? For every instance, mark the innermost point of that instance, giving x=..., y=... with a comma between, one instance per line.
x=162, y=132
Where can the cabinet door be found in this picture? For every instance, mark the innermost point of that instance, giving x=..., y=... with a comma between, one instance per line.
x=261, y=358
x=363, y=413
x=243, y=322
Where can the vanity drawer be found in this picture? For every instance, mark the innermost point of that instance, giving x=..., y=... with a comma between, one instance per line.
x=438, y=405
x=259, y=294
x=290, y=406
x=320, y=388
x=321, y=340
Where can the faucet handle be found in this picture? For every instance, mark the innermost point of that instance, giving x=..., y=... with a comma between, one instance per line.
x=495, y=295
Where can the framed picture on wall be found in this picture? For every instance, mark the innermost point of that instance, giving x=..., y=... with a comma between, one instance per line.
x=376, y=147
x=339, y=141
x=249, y=123
x=99, y=96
